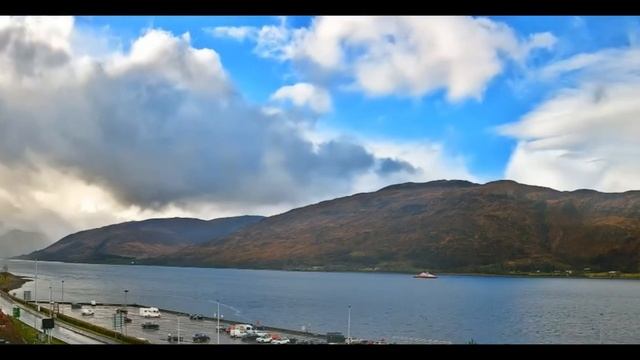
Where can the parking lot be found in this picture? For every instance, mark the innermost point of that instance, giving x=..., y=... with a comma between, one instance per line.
x=168, y=322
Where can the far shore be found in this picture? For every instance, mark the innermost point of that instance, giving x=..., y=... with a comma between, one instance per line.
x=555, y=275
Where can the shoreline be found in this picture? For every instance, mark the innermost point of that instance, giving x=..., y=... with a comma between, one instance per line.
x=9, y=281
x=563, y=275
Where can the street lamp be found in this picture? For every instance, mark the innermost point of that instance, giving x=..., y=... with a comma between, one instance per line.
x=62, y=297
x=178, y=329
x=50, y=300
x=35, y=288
x=218, y=325
x=349, y=326
x=126, y=312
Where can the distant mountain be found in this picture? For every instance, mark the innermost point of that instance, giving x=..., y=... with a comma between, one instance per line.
x=18, y=242
x=122, y=243
x=439, y=225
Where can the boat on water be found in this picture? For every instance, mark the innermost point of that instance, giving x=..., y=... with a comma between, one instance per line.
x=425, y=275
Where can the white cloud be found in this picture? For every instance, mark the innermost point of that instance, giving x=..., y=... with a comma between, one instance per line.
x=235, y=32
x=410, y=56
x=584, y=136
x=305, y=95
x=91, y=136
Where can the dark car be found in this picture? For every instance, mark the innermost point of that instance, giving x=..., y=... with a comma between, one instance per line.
x=196, y=317
x=201, y=338
x=174, y=338
x=122, y=311
x=250, y=337
x=150, y=326
x=127, y=319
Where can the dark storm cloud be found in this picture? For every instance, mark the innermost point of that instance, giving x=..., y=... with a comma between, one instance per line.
x=152, y=133
x=389, y=166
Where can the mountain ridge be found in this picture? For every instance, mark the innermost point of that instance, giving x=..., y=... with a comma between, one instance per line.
x=135, y=240
x=444, y=225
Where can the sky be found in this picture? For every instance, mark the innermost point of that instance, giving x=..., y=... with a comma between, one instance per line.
x=110, y=119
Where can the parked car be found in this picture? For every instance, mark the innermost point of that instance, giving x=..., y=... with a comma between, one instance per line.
x=93, y=303
x=201, y=338
x=127, y=319
x=150, y=326
x=76, y=306
x=122, y=311
x=264, y=339
x=248, y=337
x=174, y=338
x=280, y=341
x=196, y=317
x=87, y=312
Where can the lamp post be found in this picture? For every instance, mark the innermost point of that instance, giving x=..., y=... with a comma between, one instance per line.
x=218, y=325
x=35, y=286
x=349, y=326
x=50, y=308
x=62, y=296
x=50, y=300
x=600, y=329
x=126, y=310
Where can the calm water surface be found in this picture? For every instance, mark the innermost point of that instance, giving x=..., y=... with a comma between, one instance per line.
x=395, y=307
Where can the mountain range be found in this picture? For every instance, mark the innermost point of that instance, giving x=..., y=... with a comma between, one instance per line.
x=445, y=225
x=136, y=240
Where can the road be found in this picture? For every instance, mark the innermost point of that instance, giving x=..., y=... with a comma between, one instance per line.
x=67, y=333
x=168, y=323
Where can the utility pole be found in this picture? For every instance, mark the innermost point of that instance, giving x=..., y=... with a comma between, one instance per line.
x=349, y=326
x=178, y=329
x=218, y=325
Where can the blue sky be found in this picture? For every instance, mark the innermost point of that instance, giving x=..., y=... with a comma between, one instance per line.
x=466, y=128
x=107, y=119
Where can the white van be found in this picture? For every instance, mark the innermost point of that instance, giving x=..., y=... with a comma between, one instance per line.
x=240, y=330
x=151, y=312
